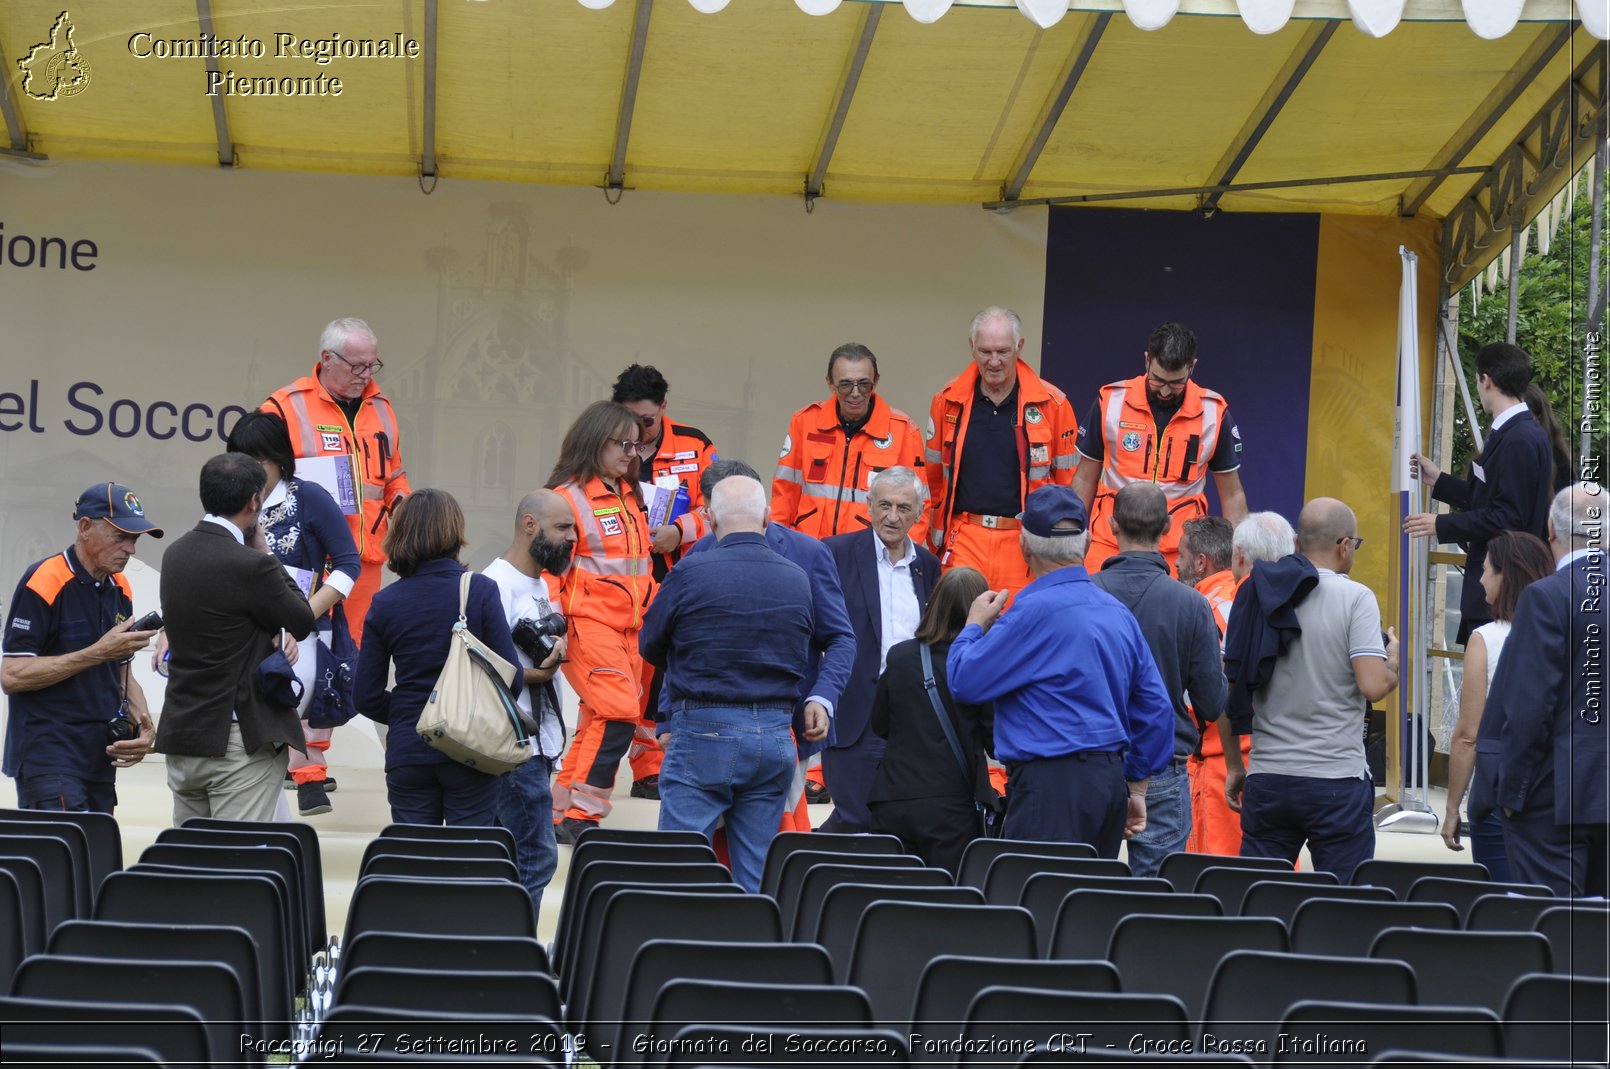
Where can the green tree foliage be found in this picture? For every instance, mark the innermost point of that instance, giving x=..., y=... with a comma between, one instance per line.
x=1552, y=310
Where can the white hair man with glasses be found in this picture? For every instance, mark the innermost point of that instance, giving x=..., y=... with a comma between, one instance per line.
x=338, y=410
x=834, y=447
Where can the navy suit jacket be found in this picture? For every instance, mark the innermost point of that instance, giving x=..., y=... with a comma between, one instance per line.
x=854, y=553
x=1546, y=708
x=1512, y=493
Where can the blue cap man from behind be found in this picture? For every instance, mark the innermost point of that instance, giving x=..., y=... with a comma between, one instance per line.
x=1053, y=512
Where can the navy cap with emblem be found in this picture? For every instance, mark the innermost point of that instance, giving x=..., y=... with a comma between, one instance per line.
x=1049, y=506
x=117, y=505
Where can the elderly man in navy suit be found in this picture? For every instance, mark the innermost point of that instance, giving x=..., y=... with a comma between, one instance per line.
x=1508, y=487
x=1546, y=709
x=886, y=578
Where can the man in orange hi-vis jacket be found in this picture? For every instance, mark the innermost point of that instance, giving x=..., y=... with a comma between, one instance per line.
x=996, y=432
x=834, y=448
x=1159, y=427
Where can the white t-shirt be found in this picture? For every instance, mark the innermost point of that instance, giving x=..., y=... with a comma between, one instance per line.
x=525, y=598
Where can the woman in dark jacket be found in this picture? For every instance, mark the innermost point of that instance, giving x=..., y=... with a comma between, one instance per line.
x=920, y=792
x=410, y=625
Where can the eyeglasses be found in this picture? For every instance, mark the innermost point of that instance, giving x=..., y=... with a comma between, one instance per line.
x=845, y=389
x=628, y=445
x=359, y=370
x=1355, y=542
x=1167, y=384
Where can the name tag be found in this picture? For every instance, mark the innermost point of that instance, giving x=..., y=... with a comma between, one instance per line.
x=612, y=510
x=686, y=454
x=678, y=469
x=1481, y=475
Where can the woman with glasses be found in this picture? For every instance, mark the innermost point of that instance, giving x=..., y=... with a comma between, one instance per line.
x=1514, y=561
x=605, y=593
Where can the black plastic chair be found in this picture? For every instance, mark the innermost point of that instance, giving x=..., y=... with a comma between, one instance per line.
x=231, y=946
x=277, y=861
x=441, y=868
x=77, y=839
x=1346, y=1033
x=799, y=863
x=980, y=854
x=32, y=925
x=435, y=850
x=1007, y=875
x=1465, y=968
x=1518, y=913
x=634, y=916
x=1432, y=1057
x=178, y=1034
x=1280, y=899
x=54, y=860
x=1043, y=894
x=424, y=991
x=1400, y=875
x=1176, y=955
x=787, y=842
x=351, y=1027
x=1348, y=927
x=845, y=904
x=461, y=907
x=1182, y=869
x=660, y=961
x=1085, y=1055
x=598, y=833
x=1003, y=1019
x=1462, y=894
x=253, y=901
x=1579, y=939
x=820, y=879
x=210, y=988
x=1086, y=919
x=603, y=880
x=464, y=953
x=79, y=1054
x=1230, y=883
x=788, y=1045
x=301, y=839
x=1251, y=990
x=599, y=850
x=100, y=829
x=13, y=938
x=1558, y=1018
x=950, y=982
x=682, y=1003
x=896, y=940
x=458, y=834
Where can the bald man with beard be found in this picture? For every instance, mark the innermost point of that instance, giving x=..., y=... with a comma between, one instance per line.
x=544, y=538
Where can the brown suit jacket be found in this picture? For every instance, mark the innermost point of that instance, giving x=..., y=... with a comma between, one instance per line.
x=222, y=605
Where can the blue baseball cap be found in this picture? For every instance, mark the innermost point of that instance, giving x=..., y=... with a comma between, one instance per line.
x=117, y=505
x=1049, y=506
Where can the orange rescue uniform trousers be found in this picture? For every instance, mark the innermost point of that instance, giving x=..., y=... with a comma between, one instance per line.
x=605, y=668
x=993, y=551
x=1215, y=827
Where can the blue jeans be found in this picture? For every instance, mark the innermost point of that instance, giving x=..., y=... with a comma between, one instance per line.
x=525, y=807
x=1334, y=816
x=732, y=761
x=442, y=793
x=1168, y=820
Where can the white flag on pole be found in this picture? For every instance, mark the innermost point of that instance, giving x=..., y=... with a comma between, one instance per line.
x=1406, y=424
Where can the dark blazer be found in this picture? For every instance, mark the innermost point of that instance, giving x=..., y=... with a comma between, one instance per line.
x=1546, y=708
x=1511, y=493
x=853, y=553
x=919, y=762
x=223, y=604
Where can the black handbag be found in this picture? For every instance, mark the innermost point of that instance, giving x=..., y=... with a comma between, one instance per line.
x=990, y=805
x=333, y=670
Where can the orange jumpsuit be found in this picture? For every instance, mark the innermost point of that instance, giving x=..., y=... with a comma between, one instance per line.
x=320, y=428
x=1175, y=460
x=1047, y=454
x=823, y=478
x=604, y=595
x=1215, y=829
x=684, y=453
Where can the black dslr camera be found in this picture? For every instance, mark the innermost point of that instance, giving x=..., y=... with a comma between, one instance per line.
x=537, y=638
x=120, y=728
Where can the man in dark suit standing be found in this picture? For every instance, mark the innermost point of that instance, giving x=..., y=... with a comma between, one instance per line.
x=226, y=603
x=1546, y=709
x=886, y=578
x=1508, y=486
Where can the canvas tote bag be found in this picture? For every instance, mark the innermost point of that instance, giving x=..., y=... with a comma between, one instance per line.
x=471, y=715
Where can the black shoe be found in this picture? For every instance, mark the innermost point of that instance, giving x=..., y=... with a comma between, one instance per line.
x=647, y=787
x=327, y=781
x=311, y=799
x=565, y=831
x=816, y=793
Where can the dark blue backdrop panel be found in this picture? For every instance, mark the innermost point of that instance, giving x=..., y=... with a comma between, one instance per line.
x=1243, y=282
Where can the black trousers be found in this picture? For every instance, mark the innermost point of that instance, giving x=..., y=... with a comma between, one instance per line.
x=935, y=829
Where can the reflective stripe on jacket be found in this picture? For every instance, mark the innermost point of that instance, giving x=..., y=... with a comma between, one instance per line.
x=822, y=481
x=611, y=578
